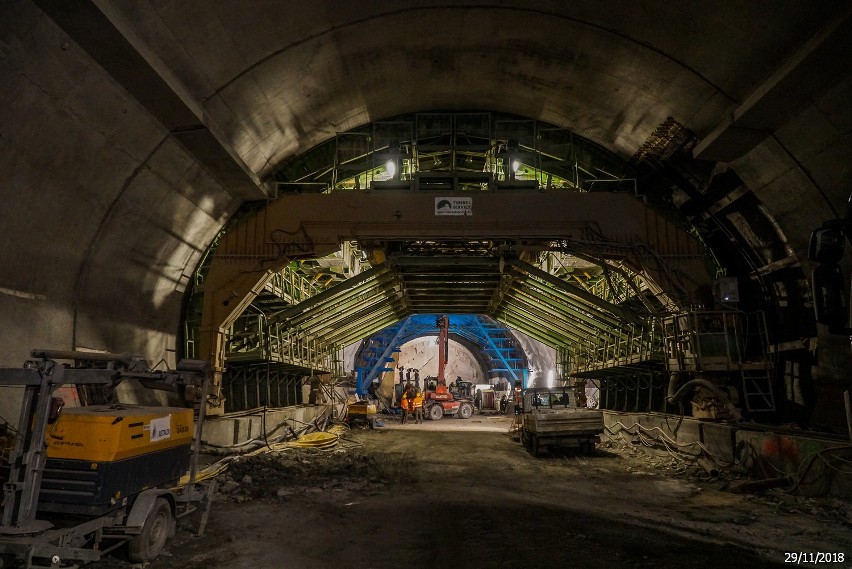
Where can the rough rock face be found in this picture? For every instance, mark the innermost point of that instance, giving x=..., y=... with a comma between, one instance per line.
x=542, y=359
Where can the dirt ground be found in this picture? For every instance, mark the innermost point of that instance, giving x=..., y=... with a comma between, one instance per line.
x=463, y=494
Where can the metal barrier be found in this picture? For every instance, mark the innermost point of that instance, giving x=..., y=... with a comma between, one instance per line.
x=626, y=346
x=253, y=340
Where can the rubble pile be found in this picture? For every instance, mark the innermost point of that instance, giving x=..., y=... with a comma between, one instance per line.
x=332, y=476
x=643, y=460
x=825, y=508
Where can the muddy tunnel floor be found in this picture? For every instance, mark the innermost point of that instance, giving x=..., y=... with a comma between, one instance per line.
x=424, y=496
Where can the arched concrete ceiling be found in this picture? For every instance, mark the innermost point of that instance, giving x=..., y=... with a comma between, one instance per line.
x=131, y=131
x=275, y=79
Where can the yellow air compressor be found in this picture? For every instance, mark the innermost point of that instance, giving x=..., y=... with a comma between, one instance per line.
x=100, y=456
x=361, y=413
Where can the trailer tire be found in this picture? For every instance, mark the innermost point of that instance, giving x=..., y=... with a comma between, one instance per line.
x=436, y=412
x=535, y=448
x=157, y=528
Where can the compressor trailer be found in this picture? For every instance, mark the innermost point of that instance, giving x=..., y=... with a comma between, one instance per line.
x=85, y=480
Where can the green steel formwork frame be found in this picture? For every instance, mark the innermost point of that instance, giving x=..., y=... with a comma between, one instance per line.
x=596, y=325
x=264, y=384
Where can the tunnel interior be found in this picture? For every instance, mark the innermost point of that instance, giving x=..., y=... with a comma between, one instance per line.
x=616, y=321
x=648, y=204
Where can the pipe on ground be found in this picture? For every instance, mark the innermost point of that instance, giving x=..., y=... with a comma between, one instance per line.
x=708, y=467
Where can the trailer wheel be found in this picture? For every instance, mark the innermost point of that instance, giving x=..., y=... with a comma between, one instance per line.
x=158, y=526
x=436, y=412
x=535, y=448
x=465, y=411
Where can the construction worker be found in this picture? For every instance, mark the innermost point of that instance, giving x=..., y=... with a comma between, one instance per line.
x=403, y=403
x=410, y=397
x=418, y=406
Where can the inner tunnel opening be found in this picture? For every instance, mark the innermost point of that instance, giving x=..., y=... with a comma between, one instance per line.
x=633, y=322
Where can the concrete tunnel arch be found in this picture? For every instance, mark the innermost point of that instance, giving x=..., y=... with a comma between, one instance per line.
x=105, y=263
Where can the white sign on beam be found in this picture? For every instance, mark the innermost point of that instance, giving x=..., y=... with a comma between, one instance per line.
x=453, y=206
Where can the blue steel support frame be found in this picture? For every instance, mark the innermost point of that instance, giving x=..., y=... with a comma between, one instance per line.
x=365, y=380
x=423, y=324
x=497, y=351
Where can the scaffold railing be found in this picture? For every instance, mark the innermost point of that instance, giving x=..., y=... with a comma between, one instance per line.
x=626, y=346
x=253, y=339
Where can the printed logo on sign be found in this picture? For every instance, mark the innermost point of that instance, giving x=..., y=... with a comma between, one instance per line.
x=453, y=206
x=161, y=429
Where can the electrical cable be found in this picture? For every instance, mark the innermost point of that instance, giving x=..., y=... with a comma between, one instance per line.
x=320, y=440
x=802, y=470
x=804, y=466
x=666, y=440
x=811, y=459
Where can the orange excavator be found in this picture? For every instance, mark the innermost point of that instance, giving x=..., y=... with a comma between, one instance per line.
x=439, y=401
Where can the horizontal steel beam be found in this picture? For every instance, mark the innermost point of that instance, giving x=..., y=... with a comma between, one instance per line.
x=567, y=288
x=527, y=311
x=532, y=331
x=444, y=261
x=371, y=290
x=334, y=291
x=543, y=310
x=579, y=305
x=589, y=323
x=373, y=295
x=321, y=324
x=356, y=327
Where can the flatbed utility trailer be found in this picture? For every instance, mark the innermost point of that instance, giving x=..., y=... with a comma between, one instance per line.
x=551, y=419
x=85, y=481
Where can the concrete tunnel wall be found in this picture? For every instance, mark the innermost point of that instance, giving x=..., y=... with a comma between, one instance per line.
x=105, y=216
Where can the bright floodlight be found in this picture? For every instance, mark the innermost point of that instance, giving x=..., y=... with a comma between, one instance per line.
x=516, y=166
x=390, y=168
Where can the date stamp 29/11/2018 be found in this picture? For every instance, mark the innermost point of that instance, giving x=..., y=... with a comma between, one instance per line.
x=813, y=557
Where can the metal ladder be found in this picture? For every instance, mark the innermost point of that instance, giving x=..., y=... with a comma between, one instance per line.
x=757, y=391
